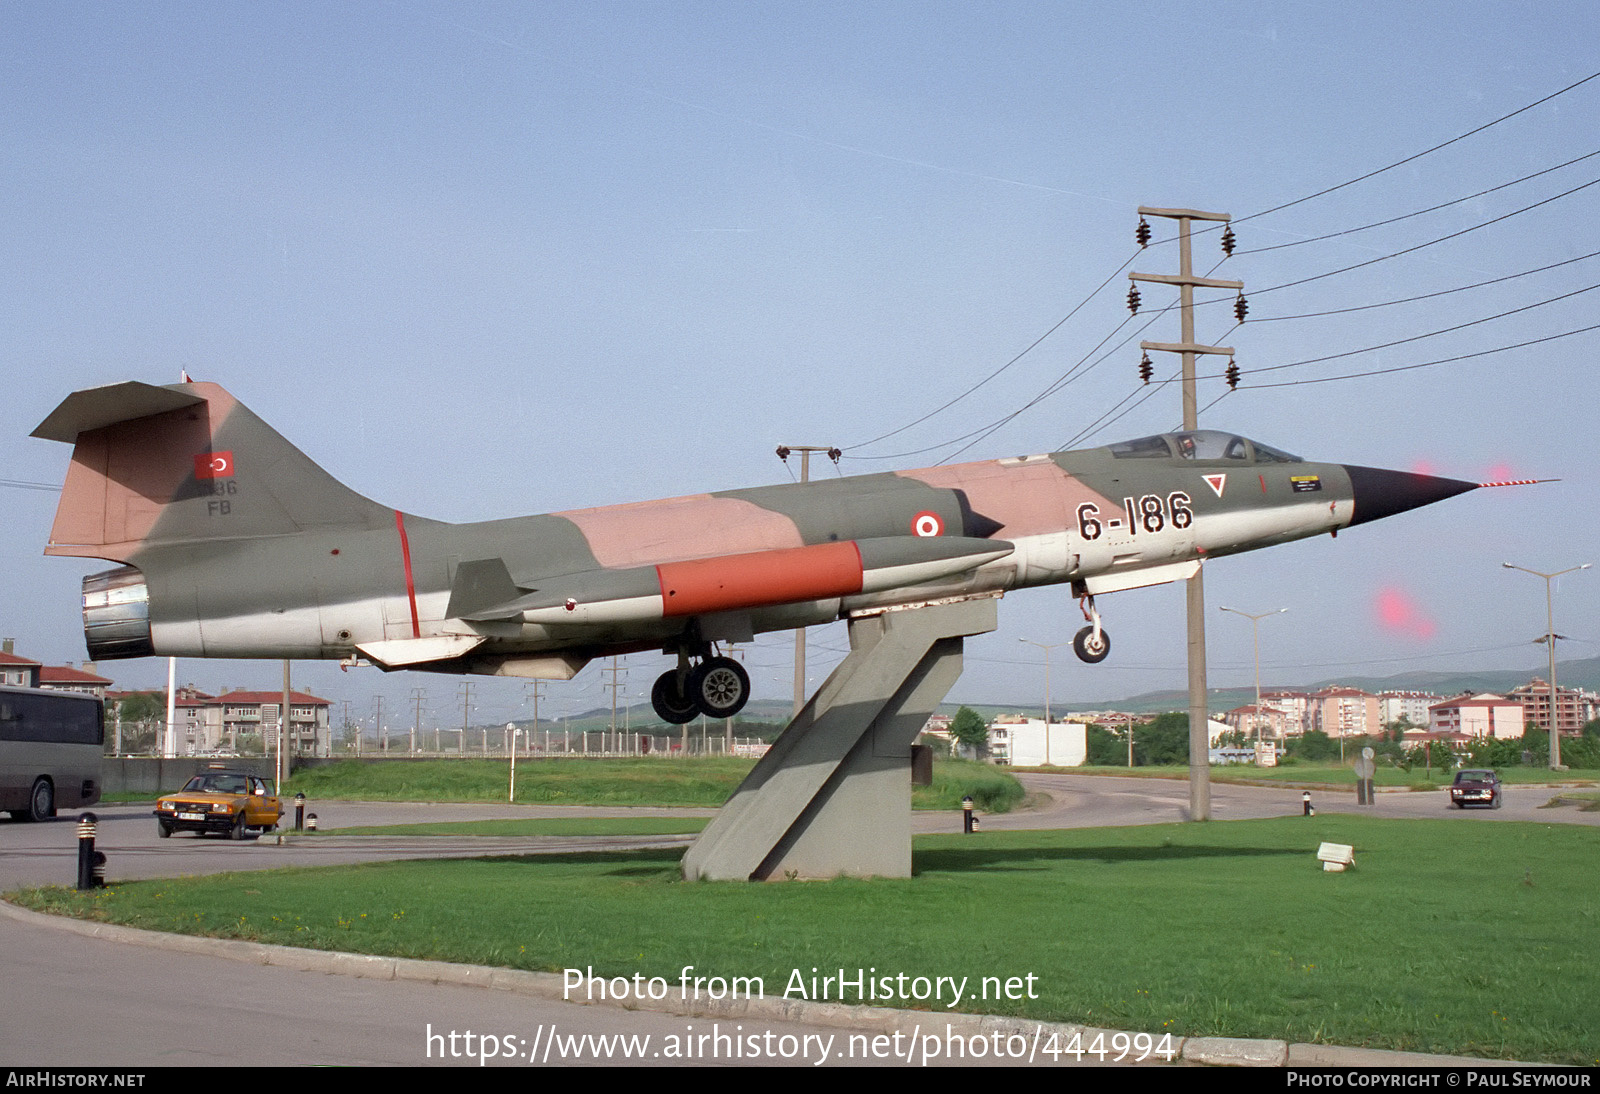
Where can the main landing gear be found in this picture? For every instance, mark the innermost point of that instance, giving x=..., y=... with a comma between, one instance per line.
x=1091, y=644
x=717, y=687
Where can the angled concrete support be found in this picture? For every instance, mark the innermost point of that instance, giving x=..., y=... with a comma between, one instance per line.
x=833, y=795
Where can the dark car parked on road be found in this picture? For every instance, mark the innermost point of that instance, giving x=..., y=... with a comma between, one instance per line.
x=1476, y=786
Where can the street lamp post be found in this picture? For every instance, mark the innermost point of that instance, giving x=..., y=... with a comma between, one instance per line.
x=1549, y=639
x=1047, y=650
x=511, y=734
x=1255, y=627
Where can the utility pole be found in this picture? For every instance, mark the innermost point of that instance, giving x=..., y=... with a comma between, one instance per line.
x=1047, y=650
x=466, y=707
x=284, y=724
x=377, y=723
x=616, y=682
x=1550, y=637
x=1255, y=626
x=534, y=738
x=417, y=696
x=805, y=451
x=1199, y=738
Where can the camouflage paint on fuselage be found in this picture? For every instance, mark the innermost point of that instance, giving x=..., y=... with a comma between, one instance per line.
x=248, y=549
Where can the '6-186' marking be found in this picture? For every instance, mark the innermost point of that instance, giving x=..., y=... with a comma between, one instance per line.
x=1149, y=513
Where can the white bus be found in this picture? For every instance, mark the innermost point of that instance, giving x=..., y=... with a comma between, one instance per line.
x=50, y=748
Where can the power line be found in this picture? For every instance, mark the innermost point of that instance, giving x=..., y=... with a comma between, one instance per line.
x=20, y=484
x=1029, y=349
x=1419, y=212
x=1077, y=371
x=1417, y=156
x=1420, y=246
x=1428, y=364
x=976, y=435
x=1414, y=299
x=1429, y=334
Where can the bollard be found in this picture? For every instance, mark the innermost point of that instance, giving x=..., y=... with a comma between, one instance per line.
x=968, y=822
x=91, y=863
x=299, y=811
x=311, y=823
x=1305, y=803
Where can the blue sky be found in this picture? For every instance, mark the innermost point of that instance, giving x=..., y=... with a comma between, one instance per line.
x=489, y=259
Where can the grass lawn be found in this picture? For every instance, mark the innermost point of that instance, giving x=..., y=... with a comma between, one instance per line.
x=534, y=826
x=705, y=782
x=1467, y=939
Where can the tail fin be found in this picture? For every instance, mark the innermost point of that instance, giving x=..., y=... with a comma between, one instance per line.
x=186, y=462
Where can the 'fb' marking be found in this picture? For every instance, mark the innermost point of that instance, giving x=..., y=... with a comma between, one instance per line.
x=927, y=524
x=213, y=465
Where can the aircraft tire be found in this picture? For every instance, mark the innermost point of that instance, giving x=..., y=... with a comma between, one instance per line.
x=1084, y=645
x=671, y=705
x=719, y=687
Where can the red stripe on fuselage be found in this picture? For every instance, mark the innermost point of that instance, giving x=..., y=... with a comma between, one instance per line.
x=786, y=576
x=411, y=588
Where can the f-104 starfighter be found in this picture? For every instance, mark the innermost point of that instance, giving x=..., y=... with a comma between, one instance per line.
x=234, y=543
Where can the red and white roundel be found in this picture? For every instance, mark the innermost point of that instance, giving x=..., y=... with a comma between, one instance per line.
x=927, y=524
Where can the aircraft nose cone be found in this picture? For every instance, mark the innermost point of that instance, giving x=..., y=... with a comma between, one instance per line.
x=1379, y=493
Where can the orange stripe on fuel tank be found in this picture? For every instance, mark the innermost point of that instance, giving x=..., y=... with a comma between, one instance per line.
x=730, y=582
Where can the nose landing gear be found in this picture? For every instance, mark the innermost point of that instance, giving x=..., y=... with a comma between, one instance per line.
x=1091, y=644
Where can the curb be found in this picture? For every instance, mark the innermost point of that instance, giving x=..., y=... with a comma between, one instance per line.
x=1201, y=1051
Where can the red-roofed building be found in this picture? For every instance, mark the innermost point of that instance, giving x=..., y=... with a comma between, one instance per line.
x=1573, y=708
x=67, y=678
x=258, y=712
x=1269, y=721
x=18, y=672
x=214, y=723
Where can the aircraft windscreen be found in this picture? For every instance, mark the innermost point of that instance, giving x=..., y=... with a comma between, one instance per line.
x=1200, y=444
x=1266, y=454
x=1209, y=444
x=1145, y=448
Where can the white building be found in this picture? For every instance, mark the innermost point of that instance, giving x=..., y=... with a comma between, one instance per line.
x=1413, y=706
x=1478, y=716
x=1021, y=742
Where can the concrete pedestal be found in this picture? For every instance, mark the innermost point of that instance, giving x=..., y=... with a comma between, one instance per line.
x=833, y=795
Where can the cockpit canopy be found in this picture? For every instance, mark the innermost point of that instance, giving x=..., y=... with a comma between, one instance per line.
x=1201, y=444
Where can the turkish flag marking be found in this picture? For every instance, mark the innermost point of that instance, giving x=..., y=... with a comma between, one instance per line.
x=213, y=465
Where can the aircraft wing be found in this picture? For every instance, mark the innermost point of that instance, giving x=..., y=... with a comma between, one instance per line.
x=484, y=590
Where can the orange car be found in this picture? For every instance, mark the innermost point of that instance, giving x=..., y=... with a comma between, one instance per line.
x=225, y=802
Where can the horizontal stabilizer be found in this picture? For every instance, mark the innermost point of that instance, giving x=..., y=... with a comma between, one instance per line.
x=102, y=406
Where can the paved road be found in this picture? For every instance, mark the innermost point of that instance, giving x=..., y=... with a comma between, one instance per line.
x=1083, y=801
x=45, y=854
